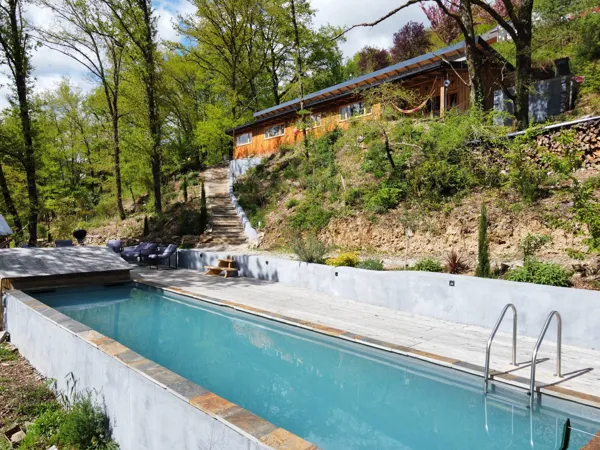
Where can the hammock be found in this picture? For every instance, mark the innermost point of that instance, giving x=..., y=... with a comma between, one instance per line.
x=421, y=106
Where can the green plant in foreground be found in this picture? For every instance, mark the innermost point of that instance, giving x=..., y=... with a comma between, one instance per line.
x=483, y=259
x=344, y=260
x=532, y=243
x=291, y=203
x=371, y=264
x=309, y=249
x=575, y=254
x=428, y=265
x=540, y=273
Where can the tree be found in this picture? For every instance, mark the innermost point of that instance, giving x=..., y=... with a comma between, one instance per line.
x=483, y=260
x=15, y=46
x=410, y=41
x=137, y=20
x=372, y=59
x=88, y=34
x=443, y=25
x=517, y=20
x=10, y=204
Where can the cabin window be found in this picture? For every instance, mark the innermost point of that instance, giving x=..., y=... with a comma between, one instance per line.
x=243, y=139
x=315, y=120
x=274, y=131
x=354, y=110
x=433, y=105
x=453, y=99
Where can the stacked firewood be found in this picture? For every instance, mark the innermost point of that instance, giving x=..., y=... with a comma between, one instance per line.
x=586, y=139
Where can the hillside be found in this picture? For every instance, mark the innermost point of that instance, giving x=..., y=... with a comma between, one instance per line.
x=349, y=195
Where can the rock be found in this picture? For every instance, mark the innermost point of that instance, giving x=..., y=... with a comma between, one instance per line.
x=4, y=336
x=17, y=437
x=53, y=448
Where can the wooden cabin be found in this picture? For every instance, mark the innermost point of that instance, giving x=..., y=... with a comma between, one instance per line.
x=438, y=76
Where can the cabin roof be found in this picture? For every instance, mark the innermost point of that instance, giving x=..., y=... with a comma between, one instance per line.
x=430, y=61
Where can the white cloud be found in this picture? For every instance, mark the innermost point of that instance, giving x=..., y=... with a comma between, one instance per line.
x=359, y=11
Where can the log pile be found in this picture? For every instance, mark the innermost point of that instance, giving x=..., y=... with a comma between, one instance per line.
x=586, y=140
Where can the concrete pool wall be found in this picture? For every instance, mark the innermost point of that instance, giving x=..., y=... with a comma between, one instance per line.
x=151, y=408
x=461, y=299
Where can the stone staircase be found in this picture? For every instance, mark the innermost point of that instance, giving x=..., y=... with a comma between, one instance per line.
x=227, y=231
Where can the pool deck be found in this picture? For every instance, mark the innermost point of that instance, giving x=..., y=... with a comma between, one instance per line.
x=450, y=344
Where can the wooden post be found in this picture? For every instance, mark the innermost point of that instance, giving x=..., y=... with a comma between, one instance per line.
x=442, y=100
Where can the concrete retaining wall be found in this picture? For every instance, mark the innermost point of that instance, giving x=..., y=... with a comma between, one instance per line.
x=238, y=167
x=144, y=414
x=471, y=300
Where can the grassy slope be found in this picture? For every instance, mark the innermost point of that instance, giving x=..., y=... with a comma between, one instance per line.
x=350, y=197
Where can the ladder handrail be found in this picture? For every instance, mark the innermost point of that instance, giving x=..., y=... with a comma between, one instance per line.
x=537, y=348
x=486, y=374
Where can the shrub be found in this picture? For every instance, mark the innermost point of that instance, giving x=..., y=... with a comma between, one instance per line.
x=344, y=260
x=86, y=425
x=310, y=216
x=190, y=222
x=203, y=210
x=146, y=231
x=428, y=265
x=483, y=259
x=540, y=273
x=309, y=249
x=575, y=254
x=532, y=243
x=371, y=264
x=291, y=203
x=184, y=189
x=455, y=264
x=383, y=199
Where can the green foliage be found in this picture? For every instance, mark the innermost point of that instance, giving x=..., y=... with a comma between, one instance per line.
x=86, y=425
x=524, y=175
x=203, y=219
x=540, y=273
x=371, y=264
x=344, y=260
x=309, y=249
x=7, y=354
x=310, y=216
x=483, y=260
x=184, y=189
x=291, y=203
x=146, y=226
x=383, y=199
x=575, y=254
x=532, y=243
x=82, y=424
x=427, y=265
x=587, y=210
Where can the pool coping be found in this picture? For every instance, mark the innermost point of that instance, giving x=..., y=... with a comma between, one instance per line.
x=233, y=416
x=453, y=363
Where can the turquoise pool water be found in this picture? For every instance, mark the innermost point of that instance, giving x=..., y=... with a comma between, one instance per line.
x=337, y=395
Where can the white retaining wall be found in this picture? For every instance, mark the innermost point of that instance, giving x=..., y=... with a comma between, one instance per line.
x=238, y=167
x=470, y=300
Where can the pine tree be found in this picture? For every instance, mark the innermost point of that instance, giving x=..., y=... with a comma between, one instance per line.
x=483, y=261
x=184, y=188
x=203, y=210
x=146, y=226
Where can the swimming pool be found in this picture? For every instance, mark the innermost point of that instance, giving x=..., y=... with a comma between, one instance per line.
x=335, y=394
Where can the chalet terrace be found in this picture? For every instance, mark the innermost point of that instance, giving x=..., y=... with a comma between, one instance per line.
x=437, y=76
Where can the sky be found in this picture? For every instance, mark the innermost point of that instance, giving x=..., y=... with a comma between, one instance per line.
x=49, y=67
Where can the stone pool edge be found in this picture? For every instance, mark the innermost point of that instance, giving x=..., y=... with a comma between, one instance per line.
x=463, y=366
x=231, y=415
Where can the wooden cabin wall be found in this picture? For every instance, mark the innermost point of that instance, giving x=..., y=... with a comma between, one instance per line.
x=330, y=115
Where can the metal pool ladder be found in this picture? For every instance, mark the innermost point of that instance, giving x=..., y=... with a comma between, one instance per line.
x=486, y=375
x=537, y=347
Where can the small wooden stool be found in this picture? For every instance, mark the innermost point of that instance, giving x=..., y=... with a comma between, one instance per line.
x=226, y=266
